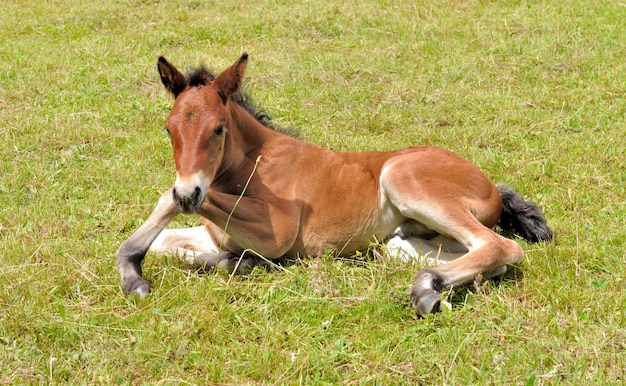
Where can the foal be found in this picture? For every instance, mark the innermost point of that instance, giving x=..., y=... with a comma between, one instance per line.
x=261, y=191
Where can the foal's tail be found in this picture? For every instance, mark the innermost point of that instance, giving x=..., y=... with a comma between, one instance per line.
x=522, y=218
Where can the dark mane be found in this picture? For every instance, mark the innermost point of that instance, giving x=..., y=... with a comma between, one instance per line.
x=202, y=76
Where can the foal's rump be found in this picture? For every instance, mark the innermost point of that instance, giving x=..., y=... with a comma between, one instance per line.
x=440, y=190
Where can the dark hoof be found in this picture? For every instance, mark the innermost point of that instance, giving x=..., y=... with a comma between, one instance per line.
x=427, y=284
x=137, y=286
x=142, y=290
x=426, y=302
x=205, y=261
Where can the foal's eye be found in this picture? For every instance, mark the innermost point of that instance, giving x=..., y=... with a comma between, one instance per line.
x=220, y=130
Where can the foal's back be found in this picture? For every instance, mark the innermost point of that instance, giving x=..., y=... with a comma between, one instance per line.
x=344, y=196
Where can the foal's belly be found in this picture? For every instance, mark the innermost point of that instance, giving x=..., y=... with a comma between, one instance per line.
x=344, y=209
x=348, y=228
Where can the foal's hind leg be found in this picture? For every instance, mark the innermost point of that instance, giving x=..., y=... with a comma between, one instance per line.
x=433, y=250
x=463, y=210
x=488, y=254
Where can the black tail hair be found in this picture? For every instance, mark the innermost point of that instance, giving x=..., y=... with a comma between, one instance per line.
x=522, y=218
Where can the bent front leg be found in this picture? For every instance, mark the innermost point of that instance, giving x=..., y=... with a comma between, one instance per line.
x=231, y=262
x=130, y=255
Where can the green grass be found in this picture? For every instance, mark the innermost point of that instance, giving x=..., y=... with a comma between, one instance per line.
x=532, y=92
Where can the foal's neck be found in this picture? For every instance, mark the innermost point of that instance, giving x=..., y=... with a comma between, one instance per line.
x=249, y=133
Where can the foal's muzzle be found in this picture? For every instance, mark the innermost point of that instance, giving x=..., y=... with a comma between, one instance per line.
x=189, y=194
x=189, y=203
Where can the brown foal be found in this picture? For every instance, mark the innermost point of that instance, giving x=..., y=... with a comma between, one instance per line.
x=265, y=192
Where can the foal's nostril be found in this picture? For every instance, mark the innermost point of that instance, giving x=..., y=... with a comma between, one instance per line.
x=188, y=200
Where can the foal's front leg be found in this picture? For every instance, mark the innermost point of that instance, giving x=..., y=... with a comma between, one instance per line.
x=132, y=251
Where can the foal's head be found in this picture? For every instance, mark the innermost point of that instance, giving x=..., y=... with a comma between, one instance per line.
x=197, y=127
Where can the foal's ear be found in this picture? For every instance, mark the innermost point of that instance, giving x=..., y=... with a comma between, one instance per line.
x=228, y=82
x=172, y=79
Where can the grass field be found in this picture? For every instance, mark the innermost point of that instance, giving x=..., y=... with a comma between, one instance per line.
x=533, y=92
